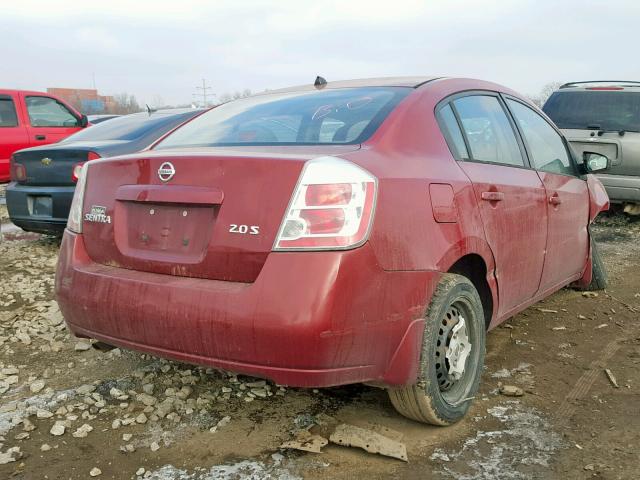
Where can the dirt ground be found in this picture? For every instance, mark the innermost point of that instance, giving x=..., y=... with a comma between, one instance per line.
x=135, y=416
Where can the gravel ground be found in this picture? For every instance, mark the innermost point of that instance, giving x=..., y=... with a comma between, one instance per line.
x=69, y=410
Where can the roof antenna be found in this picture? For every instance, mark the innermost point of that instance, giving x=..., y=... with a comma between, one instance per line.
x=320, y=82
x=149, y=109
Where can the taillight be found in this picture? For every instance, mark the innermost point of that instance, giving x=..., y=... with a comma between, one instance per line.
x=17, y=172
x=333, y=194
x=74, y=223
x=75, y=173
x=331, y=208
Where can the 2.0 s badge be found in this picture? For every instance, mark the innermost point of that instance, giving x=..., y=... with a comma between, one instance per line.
x=244, y=229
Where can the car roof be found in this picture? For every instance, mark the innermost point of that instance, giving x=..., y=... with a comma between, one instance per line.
x=411, y=82
x=26, y=92
x=613, y=85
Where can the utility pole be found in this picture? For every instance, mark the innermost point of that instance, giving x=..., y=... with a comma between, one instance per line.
x=203, y=92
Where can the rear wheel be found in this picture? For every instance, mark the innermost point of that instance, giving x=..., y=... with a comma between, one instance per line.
x=451, y=359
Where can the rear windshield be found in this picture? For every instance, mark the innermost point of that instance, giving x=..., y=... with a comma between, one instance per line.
x=341, y=116
x=606, y=110
x=130, y=127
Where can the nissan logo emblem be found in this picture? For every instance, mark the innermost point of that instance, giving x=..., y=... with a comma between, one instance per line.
x=166, y=171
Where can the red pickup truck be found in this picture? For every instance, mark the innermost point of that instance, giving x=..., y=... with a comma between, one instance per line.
x=29, y=119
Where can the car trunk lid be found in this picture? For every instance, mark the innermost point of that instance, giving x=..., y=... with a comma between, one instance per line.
x=217, y=217
x=52, y=167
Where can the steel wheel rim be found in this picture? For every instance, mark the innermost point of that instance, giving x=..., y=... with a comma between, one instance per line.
x=454, y=380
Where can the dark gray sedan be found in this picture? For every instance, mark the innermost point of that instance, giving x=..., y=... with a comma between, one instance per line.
x=43, y=178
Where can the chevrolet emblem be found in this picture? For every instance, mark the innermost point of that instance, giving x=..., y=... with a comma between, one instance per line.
x=46, y=161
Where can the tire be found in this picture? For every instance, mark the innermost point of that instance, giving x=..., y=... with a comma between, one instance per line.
x=599, y=277
x=438, y=397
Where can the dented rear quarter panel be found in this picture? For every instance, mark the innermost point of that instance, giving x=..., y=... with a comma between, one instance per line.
x=408, y=154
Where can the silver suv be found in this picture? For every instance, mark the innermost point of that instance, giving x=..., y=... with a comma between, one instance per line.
x=604, y=117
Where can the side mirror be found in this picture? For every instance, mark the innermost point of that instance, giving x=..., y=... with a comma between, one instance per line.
x=84, y=121
x=595, y=162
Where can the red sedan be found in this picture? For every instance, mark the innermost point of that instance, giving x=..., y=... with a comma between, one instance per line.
x=358, y=231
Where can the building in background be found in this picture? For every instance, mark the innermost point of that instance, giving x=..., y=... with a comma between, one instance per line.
x=86, y=100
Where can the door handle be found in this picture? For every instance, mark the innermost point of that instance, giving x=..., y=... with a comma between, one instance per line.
x=41, y=137
x=555, y=199
x=492, y=196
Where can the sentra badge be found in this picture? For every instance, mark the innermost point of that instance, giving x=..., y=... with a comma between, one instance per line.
x=97, y=214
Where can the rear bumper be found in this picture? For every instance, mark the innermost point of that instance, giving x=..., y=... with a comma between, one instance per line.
x=40, y=226
x=19, y=205
x=311, y=319
x=621, y=188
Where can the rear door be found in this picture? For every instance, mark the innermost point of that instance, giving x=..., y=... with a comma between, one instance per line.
x=49, y=120
x=510, y=195
x=567, y=196
x=13, y=134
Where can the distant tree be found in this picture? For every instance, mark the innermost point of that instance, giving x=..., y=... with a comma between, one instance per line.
x=245, y=93
x=158, y=102
x=125, y=103
x=227, y=97
x=545, y=93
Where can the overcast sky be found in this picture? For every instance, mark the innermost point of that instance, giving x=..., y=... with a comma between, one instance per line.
x=164, y=48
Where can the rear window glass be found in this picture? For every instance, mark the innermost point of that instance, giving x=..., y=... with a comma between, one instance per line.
x=341, y=116
x=130, y=127
x=489, y=133
x=608, y=110
x=452, y=132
